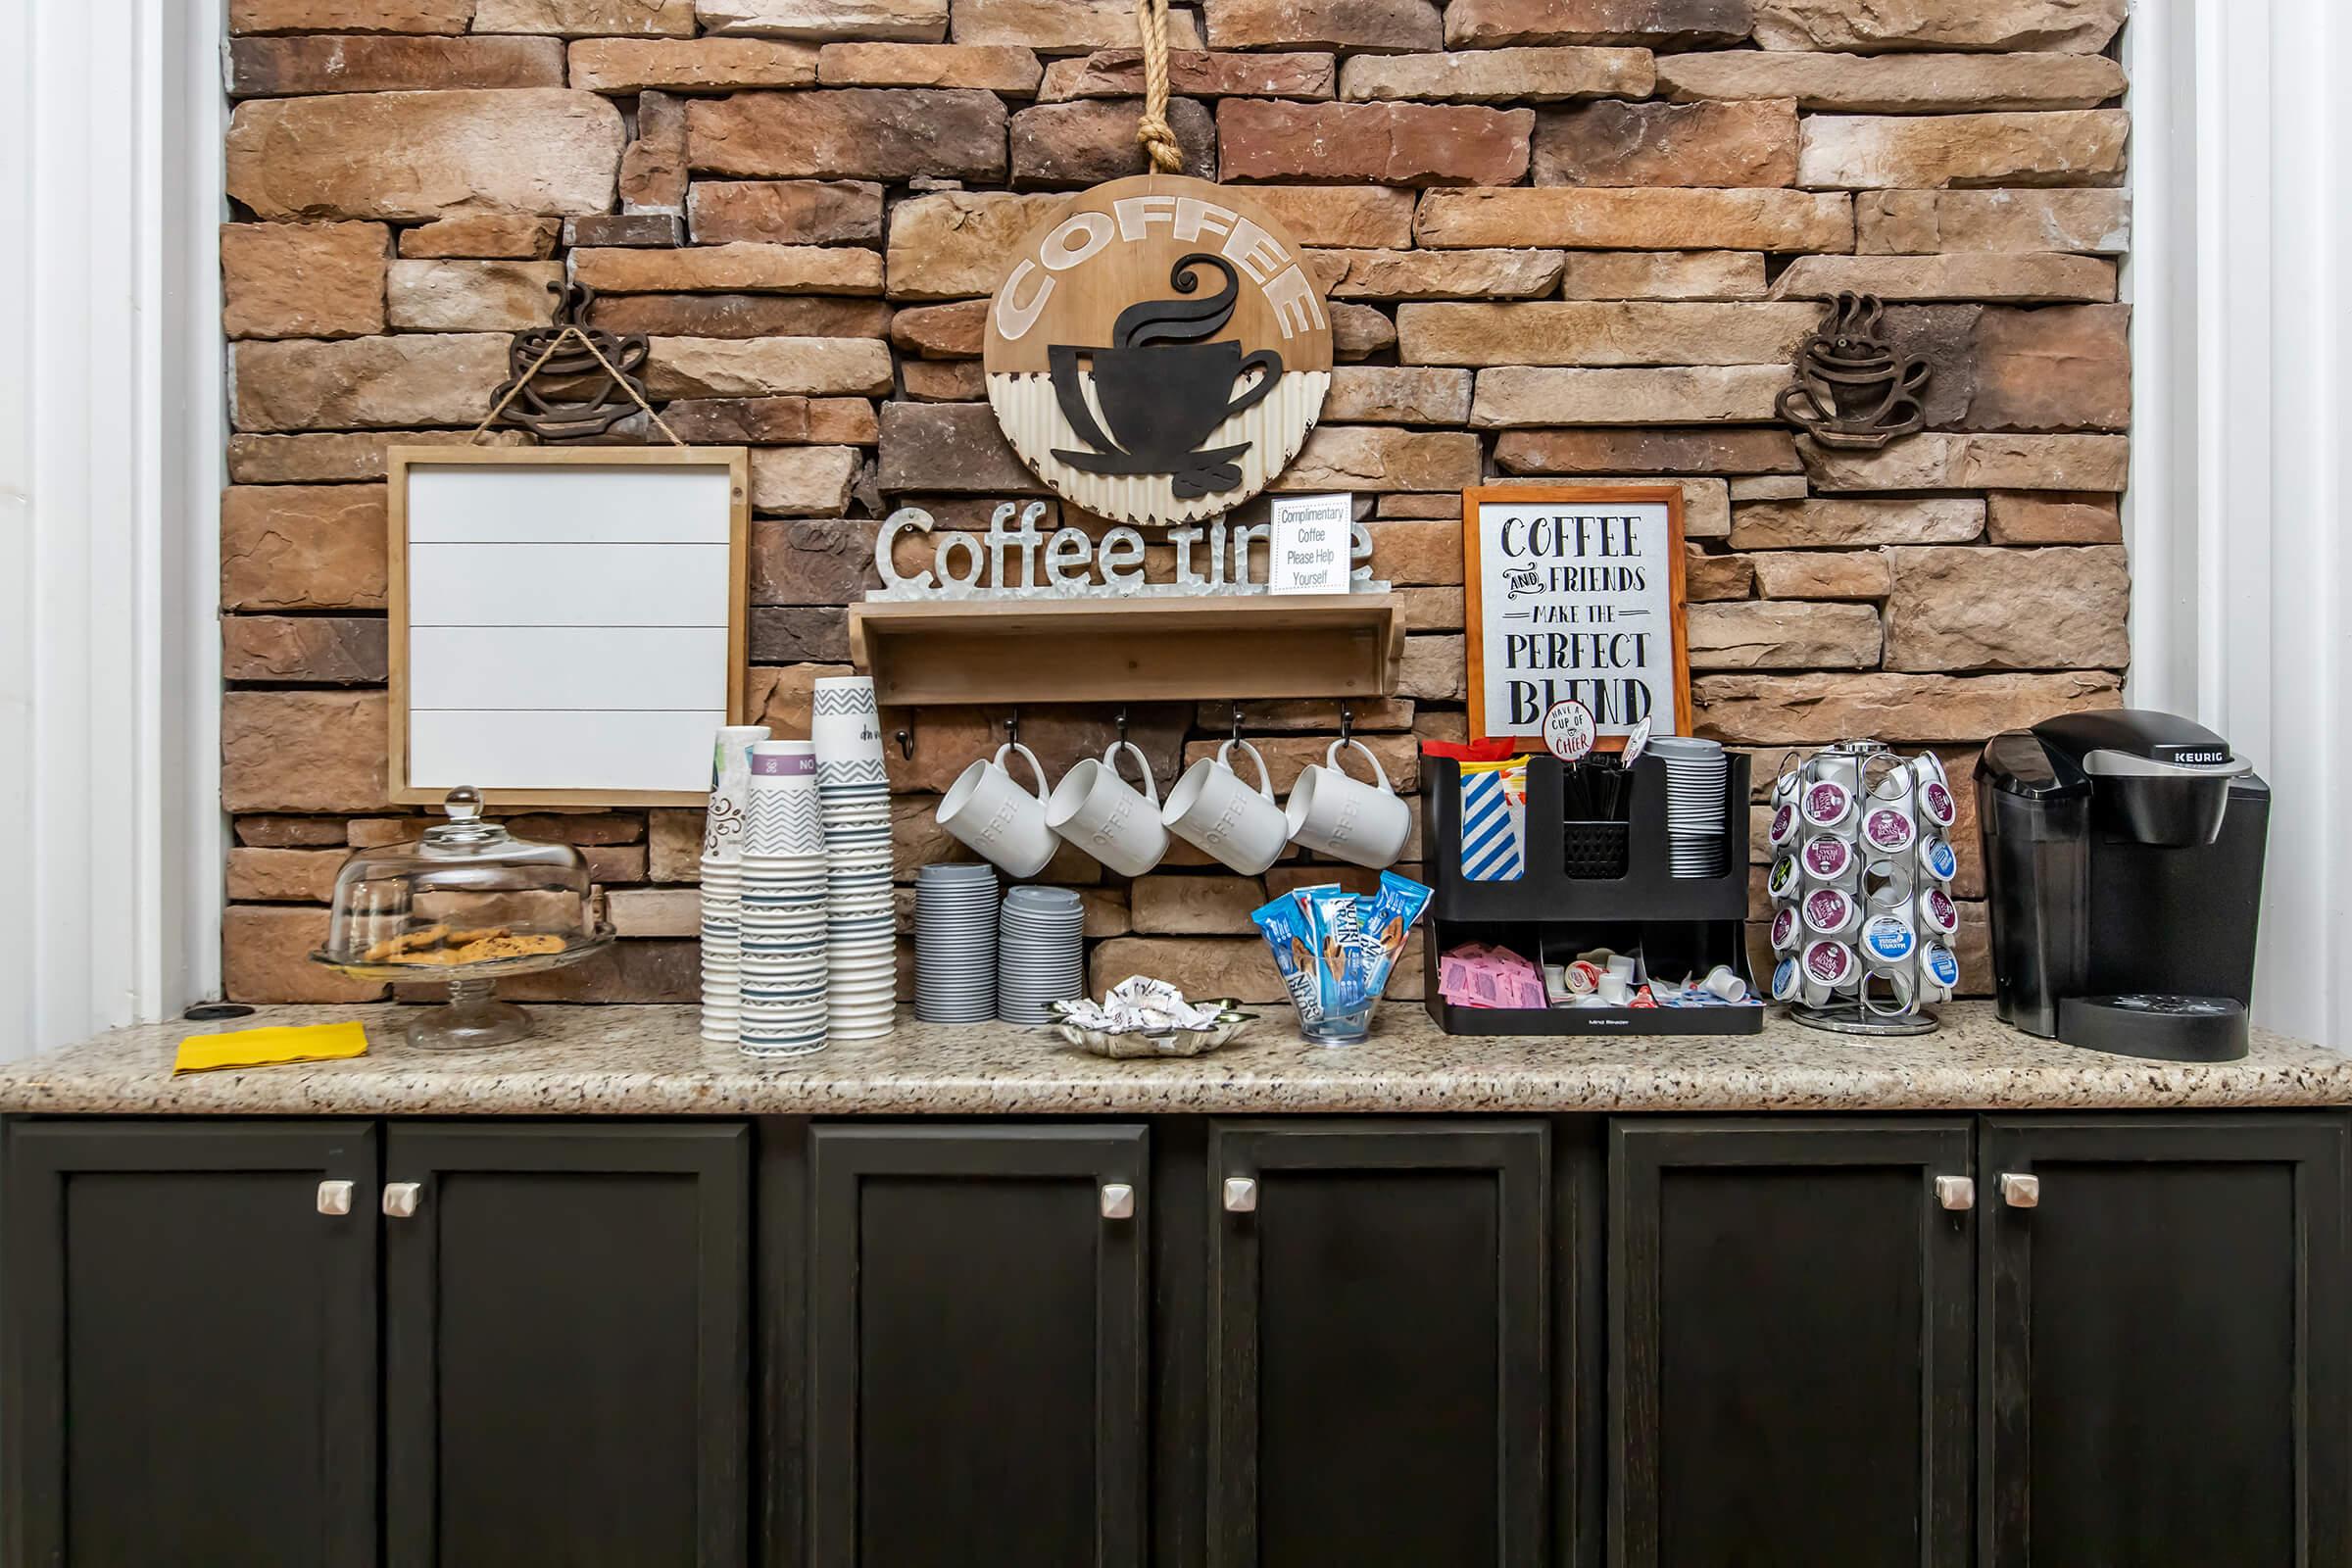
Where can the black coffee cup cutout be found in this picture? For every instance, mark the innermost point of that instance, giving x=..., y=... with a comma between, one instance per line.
x=1164, y=388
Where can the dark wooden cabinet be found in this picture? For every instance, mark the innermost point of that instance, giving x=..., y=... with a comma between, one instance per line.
x=2104, y=1341
x=2163, y=1334
x=976, y=1353
x=1790, y=1359
x=189, y=1370
x=1378, y=1344
x=566, y=1323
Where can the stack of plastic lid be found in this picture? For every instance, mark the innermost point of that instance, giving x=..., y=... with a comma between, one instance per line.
x=1041, y=952
x=955, y=944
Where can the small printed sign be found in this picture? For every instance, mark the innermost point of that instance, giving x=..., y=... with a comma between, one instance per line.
x=1568, y=730
x=1308, y=553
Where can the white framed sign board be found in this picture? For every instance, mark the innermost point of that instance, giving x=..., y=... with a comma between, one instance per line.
x=568, y=627
x=1574, y=592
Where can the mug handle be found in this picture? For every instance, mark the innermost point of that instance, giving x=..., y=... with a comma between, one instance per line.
x=1331, y=760
x=1035, y=766
x=1142, y=765
x=1265, y=780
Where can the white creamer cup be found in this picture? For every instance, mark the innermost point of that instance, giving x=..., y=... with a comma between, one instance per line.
x=1214, y=811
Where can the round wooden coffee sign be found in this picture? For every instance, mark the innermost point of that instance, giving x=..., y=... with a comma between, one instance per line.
x=1157, y=352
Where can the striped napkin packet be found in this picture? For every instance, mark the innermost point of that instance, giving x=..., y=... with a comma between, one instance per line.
x=1495, y=820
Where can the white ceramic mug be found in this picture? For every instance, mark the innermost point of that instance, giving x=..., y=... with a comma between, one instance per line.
x=1107, y=817
x=1347, y=818
x=999, y=819
x=1214, y=811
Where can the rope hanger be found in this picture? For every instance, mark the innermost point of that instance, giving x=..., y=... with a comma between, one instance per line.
x=1152, y=128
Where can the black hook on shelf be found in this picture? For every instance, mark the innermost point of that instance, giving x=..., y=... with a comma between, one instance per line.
x=1012, y=728
x=1122, y=723
x=1237, y=723
x=1346, y=724
x=907, y=744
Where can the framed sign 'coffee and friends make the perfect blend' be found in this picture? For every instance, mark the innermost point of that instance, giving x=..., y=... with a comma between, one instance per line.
x=1574, y=592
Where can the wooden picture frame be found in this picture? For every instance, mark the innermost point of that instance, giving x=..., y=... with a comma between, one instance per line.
x=1474, y=584
x=688, y=566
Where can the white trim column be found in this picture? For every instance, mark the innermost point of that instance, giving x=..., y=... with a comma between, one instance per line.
x=2240, y=462
x=111, y=837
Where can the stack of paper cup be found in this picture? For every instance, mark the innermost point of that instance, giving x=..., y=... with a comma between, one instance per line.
x=784, y=977
x=722, y=880
x=1697, y=804
x=861, y=954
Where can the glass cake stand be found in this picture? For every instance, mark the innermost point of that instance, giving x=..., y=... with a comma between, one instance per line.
x=464, y=904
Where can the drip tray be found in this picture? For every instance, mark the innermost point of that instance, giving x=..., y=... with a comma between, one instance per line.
x=2156, y=1027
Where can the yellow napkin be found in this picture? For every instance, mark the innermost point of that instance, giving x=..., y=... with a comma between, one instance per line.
x=269, y=1048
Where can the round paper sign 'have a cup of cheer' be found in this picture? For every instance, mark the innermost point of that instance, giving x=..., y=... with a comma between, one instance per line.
x=1157, y=352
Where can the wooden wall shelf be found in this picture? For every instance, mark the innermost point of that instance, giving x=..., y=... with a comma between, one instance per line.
x=1129, y=650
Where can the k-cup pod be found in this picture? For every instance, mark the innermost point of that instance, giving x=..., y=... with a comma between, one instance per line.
x=1784, y=788
x=1937, y=805
x=1783, y=824
x=1830, y=911
x=1936, y=858
x=1788, y=979
x=1783, y=882
x=1722, y=982
x=1829, y=858
x=1938, y=912
x=1886, y=993
x=1788, y=927
x=1887, y=938
x=1938, y=973
x=1616, y=989
x=1887, y=885
x=1928, y=769
x=1828, y=803
x=1831, y=970
x=1889, y=829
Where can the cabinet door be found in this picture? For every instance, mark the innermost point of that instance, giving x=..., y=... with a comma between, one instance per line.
x=567, y=1373
x=1378, y=1344
x=191, y=1372
x=2164, y=1341
x=1788, y=1343
x=976, y=1354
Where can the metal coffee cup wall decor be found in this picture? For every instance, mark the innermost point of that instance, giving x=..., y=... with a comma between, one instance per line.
x=1852, y=389
x=1157, y=352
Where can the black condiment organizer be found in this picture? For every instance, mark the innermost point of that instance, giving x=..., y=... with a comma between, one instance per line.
x=1680, y=922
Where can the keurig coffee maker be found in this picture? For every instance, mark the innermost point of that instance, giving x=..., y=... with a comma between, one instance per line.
x=2123, y=857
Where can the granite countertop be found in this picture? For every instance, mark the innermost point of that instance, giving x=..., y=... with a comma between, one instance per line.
x=651, y=1062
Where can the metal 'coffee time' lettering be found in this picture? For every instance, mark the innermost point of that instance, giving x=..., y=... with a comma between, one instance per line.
x=1157, y=354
